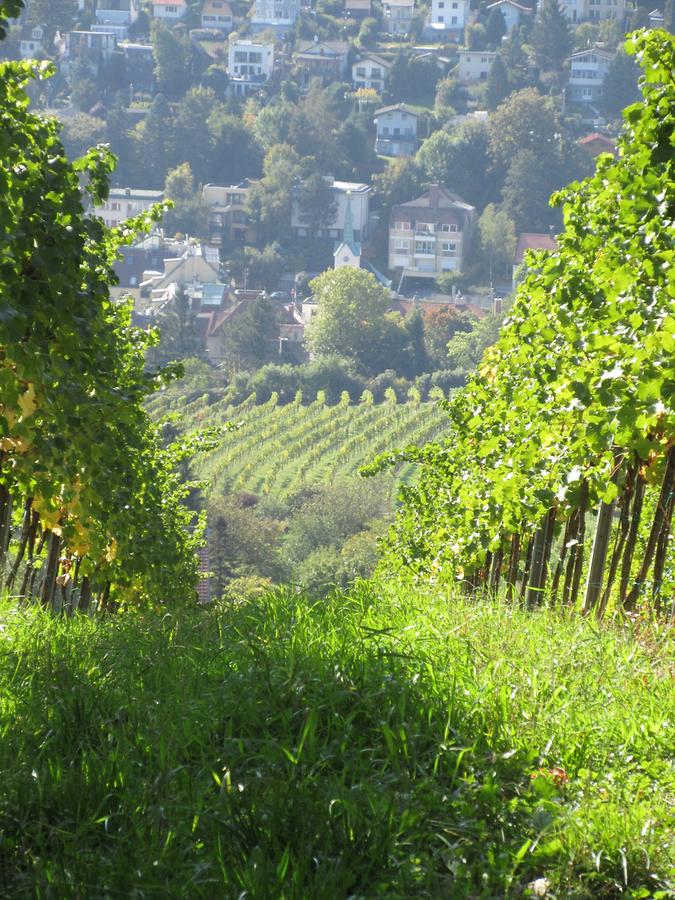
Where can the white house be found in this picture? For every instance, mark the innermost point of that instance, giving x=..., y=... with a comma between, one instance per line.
x=123, y=203
x=217, y=14
x=512, y=11
x=116, y=16
x=398, y=16
x=396, y=130
x=588, y=70
x=474, y=65
x=278, y=15
x=326, y=60
x=30, y=41
x=370, y=72
x=169, y=11
x=352, y=200
x=447, y=19
x=249, y=64
x=595, y=10
x=430, y=235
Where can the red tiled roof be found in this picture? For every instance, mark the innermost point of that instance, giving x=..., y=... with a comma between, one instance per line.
x=532, y=241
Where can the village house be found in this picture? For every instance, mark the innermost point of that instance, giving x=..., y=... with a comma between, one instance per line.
x=278, y=15
x=447, y=19
x=656, y=19
x=217, y=15
x=430, y=235
x=398, y=16
x=595, y=10
x=116, y=16
x=249, y=65
x=513, y=12
x=169, y=11
x=596, y=143
x=92, y=47
x=352, y=201
x=190, y=264
x=326, y=60
x=228, y=220
x=357, y=9
x=588, y=70
x=123, y=203
x=474, y=65
x=370, y=72
x=31, y=41
x=396, y=130
x=529, y=241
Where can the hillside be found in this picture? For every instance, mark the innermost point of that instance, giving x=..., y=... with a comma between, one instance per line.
x=278, y=449
x=384, y=743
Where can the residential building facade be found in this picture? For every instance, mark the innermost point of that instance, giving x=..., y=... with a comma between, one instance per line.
x=398, y=16
x=447, y=19
x=279, y=15
x=352, y=200
x=588, y=70
x=430, y=235
x=475, y=65
x=169, y=10
x=30, y=41
x=123, y=203
x=512, y=11
x=117, y=16
x=92, y=47
x=396, y=130
x=370, y=72
x=595, y=10
x=249, y=65
x=217, y=14
x=228, y=220
x=326, y=60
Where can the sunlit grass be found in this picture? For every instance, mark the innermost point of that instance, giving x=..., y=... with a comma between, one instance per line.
x=381, y=743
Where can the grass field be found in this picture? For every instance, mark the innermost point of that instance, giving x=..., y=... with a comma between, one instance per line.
x=376, y=744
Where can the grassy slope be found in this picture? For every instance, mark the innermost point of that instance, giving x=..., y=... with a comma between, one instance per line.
x=376, y=744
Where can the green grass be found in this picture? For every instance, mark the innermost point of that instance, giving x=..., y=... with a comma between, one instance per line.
x=384, y=743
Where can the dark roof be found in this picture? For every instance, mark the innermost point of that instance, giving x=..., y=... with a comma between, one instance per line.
x=438, y=205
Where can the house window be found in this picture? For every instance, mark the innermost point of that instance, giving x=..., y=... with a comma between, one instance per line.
x=402, y=226
x=426, y=247
x=447, y=228
x=448, y=249
x=425, y=228
x=360, y=72
x=454, y=20
x=441, y=5
x=402, y=245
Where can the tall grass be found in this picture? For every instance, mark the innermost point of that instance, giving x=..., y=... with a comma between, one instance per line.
x=377, y=744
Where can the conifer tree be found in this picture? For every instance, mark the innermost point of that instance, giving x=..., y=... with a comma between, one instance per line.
x=551, y=36
x=497, y=87
x=496, y=27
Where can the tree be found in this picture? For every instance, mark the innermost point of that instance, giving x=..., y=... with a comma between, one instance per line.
x=621, y=83
x=178, y=329
x=350, y=317
x=497, y=238
x=269, y=201
x=189, y=215
x=440, y=326
x=193, y=140
x=56, y=15
x=264, y=266
x=250, y=338
x=316, y=203
x=80, y=132
x=172, y=56
x=462, y=162
x=525, y=195
x=154, y=144
x=119, y=139
x=497, y=88
x=525, y=121
x=551, y=36
x=495, y=28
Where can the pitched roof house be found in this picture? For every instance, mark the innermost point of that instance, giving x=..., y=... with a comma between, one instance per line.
x=370, y=71
x=512, y=11
x=217, y=14
x=326, y=60
x=396, y=130
x=169, y=10
x=431, y=234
